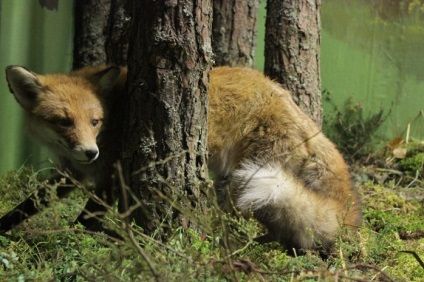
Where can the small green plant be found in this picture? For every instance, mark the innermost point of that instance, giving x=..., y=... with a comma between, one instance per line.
x=413, y=164
x=350, y=129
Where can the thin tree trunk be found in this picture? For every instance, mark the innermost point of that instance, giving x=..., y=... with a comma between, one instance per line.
x=89, y=41
x=165, y=123
x=234, y=32
x=101, y=33
x=117, y=32
x=292, y=42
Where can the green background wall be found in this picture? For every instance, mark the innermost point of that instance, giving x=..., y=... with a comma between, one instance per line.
x=40, y=40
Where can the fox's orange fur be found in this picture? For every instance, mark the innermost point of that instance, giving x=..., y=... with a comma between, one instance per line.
x=76, y=116
x=269, y=158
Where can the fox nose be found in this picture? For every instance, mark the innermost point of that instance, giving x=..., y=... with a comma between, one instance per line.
x=91, y=154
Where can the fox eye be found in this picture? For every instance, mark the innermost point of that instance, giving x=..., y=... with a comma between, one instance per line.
x=94, y=122
x=65, y=122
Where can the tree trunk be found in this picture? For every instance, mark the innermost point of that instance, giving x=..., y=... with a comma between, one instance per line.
x=101, y=33
x=234, y=32
x=292, y=41
x=166, y=118
x=89, y=41
x=116, y=43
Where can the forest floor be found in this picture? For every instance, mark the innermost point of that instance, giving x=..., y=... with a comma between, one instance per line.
x=388, y=246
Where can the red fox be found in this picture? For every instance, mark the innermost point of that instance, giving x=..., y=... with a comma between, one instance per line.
x=268, y=157
x=71, y=115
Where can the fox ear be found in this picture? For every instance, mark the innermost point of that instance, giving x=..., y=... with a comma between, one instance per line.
x=108, y=77
x=24, y=85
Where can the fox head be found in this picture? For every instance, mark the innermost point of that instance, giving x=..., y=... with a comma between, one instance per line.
x=64, y=112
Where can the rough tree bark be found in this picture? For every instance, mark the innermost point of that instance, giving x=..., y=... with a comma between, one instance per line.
x=101, y=33
x=234, y=32
x=292, y=41
x=89, y=41
x=165, y=122
x=117, y=29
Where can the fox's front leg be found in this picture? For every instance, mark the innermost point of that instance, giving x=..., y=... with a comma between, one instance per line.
x=96, y=208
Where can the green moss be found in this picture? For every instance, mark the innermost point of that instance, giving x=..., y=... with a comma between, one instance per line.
x=379, y=198
x=222, y=248
x=15, y=185
x=413, y=163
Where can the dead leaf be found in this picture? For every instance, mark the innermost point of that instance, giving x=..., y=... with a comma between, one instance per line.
x=395, y=143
